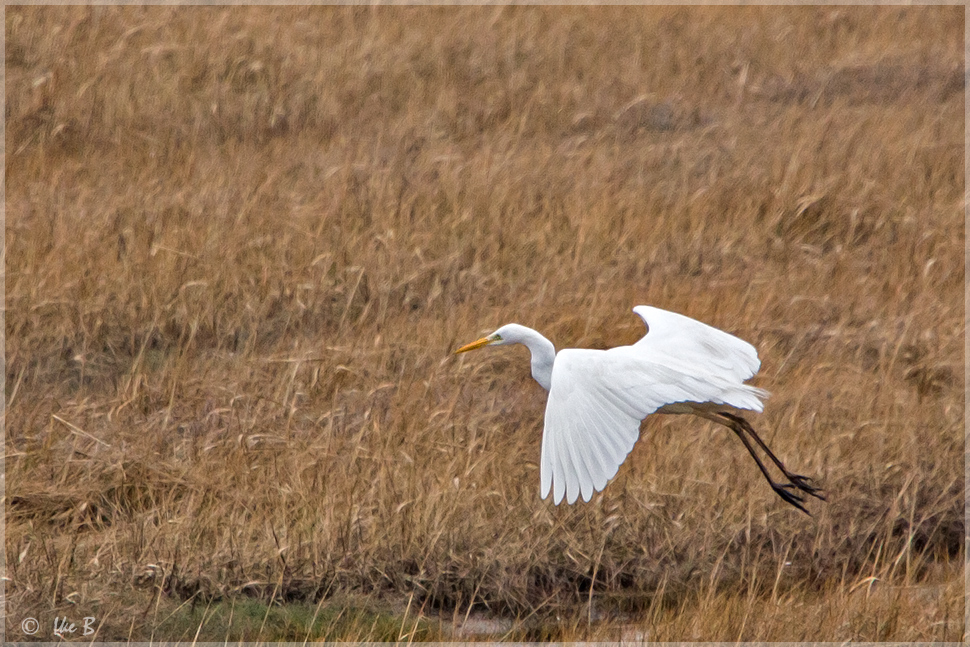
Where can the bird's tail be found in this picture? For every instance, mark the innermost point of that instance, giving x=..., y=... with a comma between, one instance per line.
x=745, y=396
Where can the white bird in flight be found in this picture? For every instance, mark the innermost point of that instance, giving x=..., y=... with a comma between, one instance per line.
x=597, y=398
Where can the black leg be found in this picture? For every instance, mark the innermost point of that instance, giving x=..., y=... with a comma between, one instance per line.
x=803, y=483
x=741, y=427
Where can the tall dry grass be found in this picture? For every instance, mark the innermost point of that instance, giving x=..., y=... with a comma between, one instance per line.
x=241, y=244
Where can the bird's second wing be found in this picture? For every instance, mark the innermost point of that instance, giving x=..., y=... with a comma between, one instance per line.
x=596, y=402
x=691, y=341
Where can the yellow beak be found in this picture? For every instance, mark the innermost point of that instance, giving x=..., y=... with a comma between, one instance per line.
x=484, y=341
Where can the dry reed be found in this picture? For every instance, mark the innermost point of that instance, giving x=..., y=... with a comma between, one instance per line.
x=241, y=244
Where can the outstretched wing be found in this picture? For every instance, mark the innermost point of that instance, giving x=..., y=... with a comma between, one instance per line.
x=598, y=398
x=696, y=343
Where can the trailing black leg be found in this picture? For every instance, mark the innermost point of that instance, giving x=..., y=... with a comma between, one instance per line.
x=803, y=483
x=742, y=429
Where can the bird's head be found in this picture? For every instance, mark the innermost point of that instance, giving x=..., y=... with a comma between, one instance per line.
x=507, y=334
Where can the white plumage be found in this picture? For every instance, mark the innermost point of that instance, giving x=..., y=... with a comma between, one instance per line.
x=597, y=398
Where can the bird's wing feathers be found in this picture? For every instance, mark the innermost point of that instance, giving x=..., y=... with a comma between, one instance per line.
x=593, y=414
x=598, y=398
x=687, y=340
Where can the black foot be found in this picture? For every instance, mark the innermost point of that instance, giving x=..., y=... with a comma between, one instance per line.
x=805, y=484
x=790, y=497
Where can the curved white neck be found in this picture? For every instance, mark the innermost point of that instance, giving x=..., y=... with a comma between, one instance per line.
x=543, y=356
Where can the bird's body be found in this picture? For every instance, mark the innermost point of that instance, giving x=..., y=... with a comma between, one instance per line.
x=597, y=398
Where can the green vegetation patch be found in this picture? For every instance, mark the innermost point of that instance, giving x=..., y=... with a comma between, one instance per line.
x=247, y=620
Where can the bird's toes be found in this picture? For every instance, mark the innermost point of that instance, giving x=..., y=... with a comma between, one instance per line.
x=806, y=484
x=790, y=497
x=796, y=502
x=786, y=493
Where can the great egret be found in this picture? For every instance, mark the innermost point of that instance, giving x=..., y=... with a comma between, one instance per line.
x=597, y=398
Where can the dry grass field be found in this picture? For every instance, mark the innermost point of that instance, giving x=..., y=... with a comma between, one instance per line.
x=242, y=244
